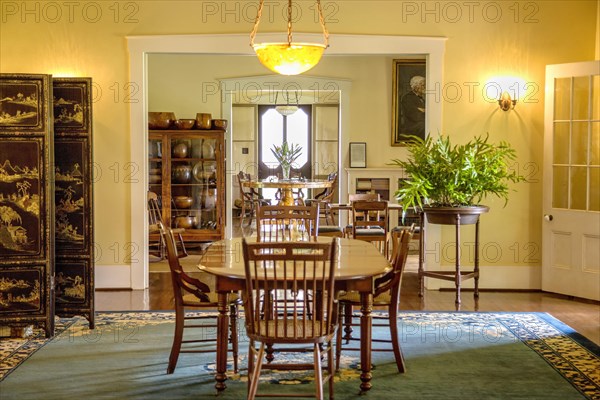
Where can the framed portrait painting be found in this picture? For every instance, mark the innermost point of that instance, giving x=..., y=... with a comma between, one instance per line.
x=408, y=100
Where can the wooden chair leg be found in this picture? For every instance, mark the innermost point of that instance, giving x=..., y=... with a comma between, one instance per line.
x=177, y=339
x=318, y=372
x=338, y=343
x=253, y=379
x=234, y=335
x=393, y=320
x=330, y=371
x=251, y=355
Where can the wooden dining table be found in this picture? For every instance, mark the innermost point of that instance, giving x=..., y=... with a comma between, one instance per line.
x=359, y=263
x=287, y=186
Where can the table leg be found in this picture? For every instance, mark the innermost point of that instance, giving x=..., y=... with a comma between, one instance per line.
x=287, y=197
x=457, y=276
x=366, y=300
x=222, y=342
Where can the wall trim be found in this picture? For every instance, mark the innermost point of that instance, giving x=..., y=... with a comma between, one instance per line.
x=113, y=276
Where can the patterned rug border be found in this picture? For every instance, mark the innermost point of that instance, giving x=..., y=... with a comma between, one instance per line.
x=572, y=355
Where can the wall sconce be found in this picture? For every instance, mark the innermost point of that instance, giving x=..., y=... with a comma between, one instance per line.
x=505, y=90
x=506, y=103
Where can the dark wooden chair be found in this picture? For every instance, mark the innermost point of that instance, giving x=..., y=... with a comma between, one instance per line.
x=387, y=294
x=325, y=199
x=370, y=222
x=157, y=247
x=278, y=268
x=249, y=199
x=190, y=292
x=286, y=223
x=358, y=197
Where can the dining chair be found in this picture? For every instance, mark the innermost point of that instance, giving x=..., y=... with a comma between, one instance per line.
x=370, y=222
x=325, y=198
x=386, y=294
x=190, y=292
x=248, y=200
x=157, y=247
x=286, y=223
x=352, y=197
x=300, y=266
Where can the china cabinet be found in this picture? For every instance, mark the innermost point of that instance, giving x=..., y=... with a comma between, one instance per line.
x=187, y=172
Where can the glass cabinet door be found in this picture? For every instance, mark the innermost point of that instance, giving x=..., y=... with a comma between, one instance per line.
x=155, y=166
x=194, y=183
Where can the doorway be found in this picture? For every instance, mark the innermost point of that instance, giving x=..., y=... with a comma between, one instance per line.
x=135, y=274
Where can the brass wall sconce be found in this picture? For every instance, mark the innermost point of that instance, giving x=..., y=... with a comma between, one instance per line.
x=505, y=102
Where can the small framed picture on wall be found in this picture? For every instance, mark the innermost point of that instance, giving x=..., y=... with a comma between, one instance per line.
x=358, y=155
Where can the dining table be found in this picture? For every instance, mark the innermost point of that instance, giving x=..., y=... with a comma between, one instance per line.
x=358, y=265
x=287, y=186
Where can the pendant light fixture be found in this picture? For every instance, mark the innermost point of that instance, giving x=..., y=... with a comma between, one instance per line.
x=287, y=108
x=289, y=58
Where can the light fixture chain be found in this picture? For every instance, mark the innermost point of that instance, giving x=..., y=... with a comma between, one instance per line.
x=289, y=26
x=322, y=22
x=256, y=22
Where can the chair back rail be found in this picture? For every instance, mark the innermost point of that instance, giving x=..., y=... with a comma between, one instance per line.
x=293, y=272
x=286, y=223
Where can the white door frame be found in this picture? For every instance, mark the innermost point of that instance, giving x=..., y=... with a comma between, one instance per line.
x=432, y=48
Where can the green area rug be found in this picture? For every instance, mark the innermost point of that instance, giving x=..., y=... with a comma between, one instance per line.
x=449, y=355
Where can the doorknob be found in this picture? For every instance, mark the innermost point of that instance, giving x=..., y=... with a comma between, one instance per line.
x=548, y=217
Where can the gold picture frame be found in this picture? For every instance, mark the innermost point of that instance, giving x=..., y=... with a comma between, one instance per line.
x=408, y=102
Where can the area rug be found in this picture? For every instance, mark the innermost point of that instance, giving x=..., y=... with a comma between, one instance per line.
x=449, y=355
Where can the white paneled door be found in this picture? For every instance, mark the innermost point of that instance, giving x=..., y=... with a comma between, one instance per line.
x=571, y=225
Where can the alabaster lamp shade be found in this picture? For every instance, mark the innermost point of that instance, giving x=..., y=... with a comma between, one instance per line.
x=289, y=59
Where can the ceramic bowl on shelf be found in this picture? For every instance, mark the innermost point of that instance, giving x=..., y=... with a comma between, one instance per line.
x=160, y=120
x=185, y=124
x=180, y=150
x=186, y=222
x=183, y=202
x=219, y=124
x=152, y=179
x=181, y=173
x=155, y=171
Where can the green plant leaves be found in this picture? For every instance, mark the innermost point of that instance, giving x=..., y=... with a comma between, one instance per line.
x=446, y=175
x=286, y=154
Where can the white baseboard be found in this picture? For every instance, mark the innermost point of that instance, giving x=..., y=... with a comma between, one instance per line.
x=518, y=277
x=113, y=276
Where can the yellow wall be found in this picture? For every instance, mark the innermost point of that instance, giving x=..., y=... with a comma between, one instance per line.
x=488, y=38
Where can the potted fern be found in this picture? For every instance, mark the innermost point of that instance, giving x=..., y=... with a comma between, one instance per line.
x=447, y=180
x=286, y=154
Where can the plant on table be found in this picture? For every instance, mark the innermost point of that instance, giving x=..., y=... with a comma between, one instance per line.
x=286, y=154
x=446, y=175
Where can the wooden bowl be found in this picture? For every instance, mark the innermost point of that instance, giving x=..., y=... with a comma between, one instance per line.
x=160, y=120
x=203, y=121
x=219, y=124
x=186, y=222
x=154, y=179
x=183, y=201
x=185, y=124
